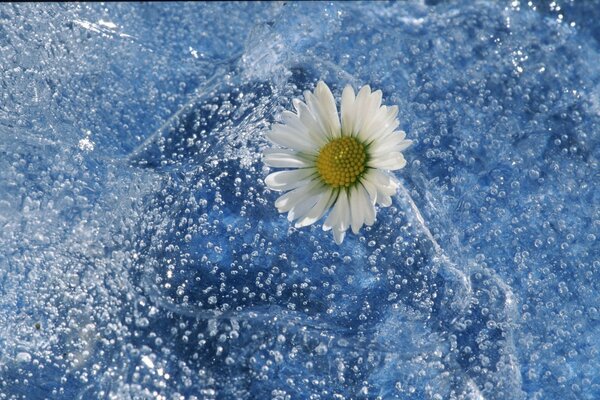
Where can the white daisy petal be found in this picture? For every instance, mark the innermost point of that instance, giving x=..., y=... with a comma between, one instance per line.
x=370, y=214
x=302, y=207
x=328, y=112
x=370, y=111
x=385, y=201
x=333, y=217
x=310, y=206
x=323, y=204
x=368, y=207
x=290, y=199
x=344, y=219
x=286, y=137
x=316, y=109
x=371, y=190
x=368, y=192
x=365, y=200
x=373, y=103
x=385, y=137
x=384, y=185
x=286, y=201
x=380, y=129
x=358, y=204
x=392, y=112
x=394, y=142
x=373, y=126
x=312, y=122
x=402, y=144
x=286, y=180
x=281, y=158
x=339, y=235
x=339, y=218
x=347, y=110
x=293, y=122
x=384, y=182
x=360, y=107
x=389, y=161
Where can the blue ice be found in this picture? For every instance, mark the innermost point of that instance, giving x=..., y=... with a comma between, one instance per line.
x=141, y=255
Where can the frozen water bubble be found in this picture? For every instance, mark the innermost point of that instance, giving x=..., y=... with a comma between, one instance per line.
x=534, y=173
x=23, y=357
x=321, y=349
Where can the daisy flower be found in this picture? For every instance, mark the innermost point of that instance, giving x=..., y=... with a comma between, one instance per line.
x=342, y=166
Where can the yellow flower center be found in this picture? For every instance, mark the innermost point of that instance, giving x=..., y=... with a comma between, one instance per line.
x=341, y=162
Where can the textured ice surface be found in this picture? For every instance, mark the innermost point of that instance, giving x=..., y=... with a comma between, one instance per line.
x=141, y=256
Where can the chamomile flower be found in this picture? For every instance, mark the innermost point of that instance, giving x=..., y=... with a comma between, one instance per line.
x=336, y=166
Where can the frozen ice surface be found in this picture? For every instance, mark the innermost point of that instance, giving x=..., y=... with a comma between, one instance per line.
x=141, y=256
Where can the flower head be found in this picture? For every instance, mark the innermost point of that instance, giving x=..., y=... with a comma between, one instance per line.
x=332, y=165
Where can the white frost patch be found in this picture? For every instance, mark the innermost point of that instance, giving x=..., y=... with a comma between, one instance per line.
x=107, y=24
x=412, y=21
x=148, y=362
x=87, y=25
x=105, y=28
x=86, y=144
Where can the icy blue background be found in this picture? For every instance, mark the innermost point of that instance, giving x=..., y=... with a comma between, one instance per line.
x=141, y=256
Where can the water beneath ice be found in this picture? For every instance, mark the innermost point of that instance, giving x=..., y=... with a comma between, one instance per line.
x=141, y=256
